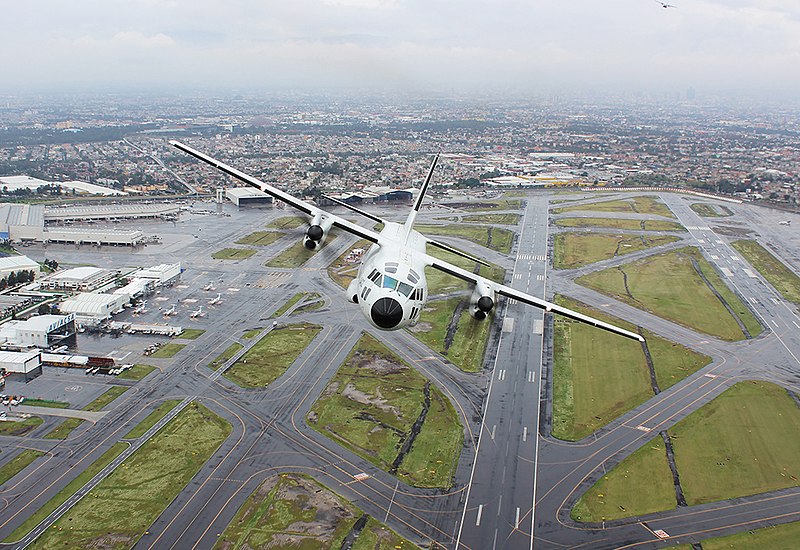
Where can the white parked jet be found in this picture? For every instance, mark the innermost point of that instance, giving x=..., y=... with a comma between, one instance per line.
x=170, y=311
x=215, y=301
x=198, y=313
x=391, y=289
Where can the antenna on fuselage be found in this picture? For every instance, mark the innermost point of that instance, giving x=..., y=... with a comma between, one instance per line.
x=413, y=214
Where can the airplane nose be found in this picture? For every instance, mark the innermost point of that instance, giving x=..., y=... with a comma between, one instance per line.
x=386, y=313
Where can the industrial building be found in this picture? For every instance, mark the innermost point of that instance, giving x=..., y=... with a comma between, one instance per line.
x=136, y=288
x=15, y=264
x=160, y=275
x=35, y=222
x=79, y=279
x=91, y=308
x=244, y=196
x=41, y=331
x=28, y=363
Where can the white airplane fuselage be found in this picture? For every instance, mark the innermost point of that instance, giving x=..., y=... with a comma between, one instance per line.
x=390, y=288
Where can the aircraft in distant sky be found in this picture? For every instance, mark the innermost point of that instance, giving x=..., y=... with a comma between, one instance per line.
x=664, y=4
x=391, y=288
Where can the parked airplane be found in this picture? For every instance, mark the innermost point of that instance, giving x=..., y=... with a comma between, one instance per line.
x=215, y=301
x=171, y=311
x=198, y=313
x=141, y=308
x=209, y=286
x=785, y=222
x=390, y=288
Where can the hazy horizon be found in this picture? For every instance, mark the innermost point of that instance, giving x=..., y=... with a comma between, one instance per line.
x=751, y=47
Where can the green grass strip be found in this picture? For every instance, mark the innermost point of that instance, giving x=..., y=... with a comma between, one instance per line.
x=17, y=464
x=223, y=357
x=107, y=397
x=777, y=537
x=152, y=477
x=71, y=488
x=266, y=361
x=167, y=350
x=19, y=428
x=46, y=403
x=260, y=238
x=137, y=372
x=233, y=254
x=191, y=333
x=152, y=419
x=771, y=268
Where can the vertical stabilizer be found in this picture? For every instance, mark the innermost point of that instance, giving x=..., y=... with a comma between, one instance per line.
x=418, y=203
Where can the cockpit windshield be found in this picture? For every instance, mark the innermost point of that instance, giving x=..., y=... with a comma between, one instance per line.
x=405, y=289
x=389, y=282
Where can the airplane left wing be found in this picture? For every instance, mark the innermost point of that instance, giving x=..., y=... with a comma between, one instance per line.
x=299, y=204
x=525, y=298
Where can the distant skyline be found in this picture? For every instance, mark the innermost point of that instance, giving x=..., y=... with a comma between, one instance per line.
x=506, y=46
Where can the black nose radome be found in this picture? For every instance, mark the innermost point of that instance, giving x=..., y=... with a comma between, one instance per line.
x=315, y=233
x=387, y=313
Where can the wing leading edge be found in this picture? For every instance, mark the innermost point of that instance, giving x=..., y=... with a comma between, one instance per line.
x=509, y=292
x=274, y=192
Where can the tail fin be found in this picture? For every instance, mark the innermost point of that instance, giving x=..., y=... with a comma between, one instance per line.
x=418, y=203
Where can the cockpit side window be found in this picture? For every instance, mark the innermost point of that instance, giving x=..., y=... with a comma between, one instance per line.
x=375, y=277
x=405, y=289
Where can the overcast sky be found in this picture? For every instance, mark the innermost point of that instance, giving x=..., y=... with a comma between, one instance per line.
x=503, y=45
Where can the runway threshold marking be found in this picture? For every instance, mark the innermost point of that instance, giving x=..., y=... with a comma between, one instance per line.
x=524, y=437
x=532, y=375
x=795, y=324
x=516, y=520
x=480, y=512
x=502, y=374
x=493, y=429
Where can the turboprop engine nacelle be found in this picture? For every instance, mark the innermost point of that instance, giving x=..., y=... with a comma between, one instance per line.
x=316, y=233
x=481, y=302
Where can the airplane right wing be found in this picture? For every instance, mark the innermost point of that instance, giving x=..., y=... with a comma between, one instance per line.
x=294, y=202
x=525, y=298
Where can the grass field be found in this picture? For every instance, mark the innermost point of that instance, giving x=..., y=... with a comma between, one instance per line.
x=252, y=333
x=779, y=537
x=469, y=343
x=37, y=517
x=372, y=403
x=611, y=223
x=502, y=219
x=287, y=222
x=167, y=350
x=668, y=285
x=152, y=418
x=620, y=493
x=296, y=255
x=599, y=376
x=271, y=356
x=191, y=333
x=494, y=238
x=342, y=272
x=47, y=403
x=578, y=249
x=62, y=430
x=105, y=398
x=233, y=254
x=137, y=372
x=312, y=298
x=260, y=238
x=711, y=210
x=638, y=205
x=771, y=268
x=439, y=282
x=741, y=443
x=229, y=352
x=294, y=511
x=9, y=427
x=17, y=464
x=151, y=478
